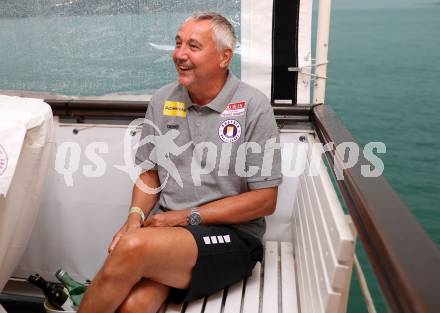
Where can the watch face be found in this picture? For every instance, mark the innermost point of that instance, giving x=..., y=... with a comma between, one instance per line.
x=194, y=219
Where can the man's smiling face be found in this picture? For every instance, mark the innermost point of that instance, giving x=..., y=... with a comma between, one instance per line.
x=196, y=57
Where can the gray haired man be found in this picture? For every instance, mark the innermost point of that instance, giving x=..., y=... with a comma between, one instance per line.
x=208, y=232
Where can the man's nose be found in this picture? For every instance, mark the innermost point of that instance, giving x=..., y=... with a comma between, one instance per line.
x=181, y=52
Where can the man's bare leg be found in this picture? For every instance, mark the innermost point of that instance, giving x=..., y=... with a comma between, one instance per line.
x=146, y=296
x=163, y=254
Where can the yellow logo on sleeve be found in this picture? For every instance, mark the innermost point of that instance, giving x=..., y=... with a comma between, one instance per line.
x=174, y=108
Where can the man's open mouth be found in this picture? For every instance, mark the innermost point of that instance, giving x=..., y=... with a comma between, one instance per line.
x=184, y=67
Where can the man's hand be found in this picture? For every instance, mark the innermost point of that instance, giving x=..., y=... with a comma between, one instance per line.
x=133, y=222
x=170, y=219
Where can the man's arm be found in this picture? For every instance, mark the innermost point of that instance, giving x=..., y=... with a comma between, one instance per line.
x=145, y=200
x=229, y=210
x=240, y=208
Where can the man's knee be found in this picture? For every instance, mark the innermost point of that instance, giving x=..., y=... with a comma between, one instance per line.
x=146, y=297
x=128, y=306
x=128, y=255
x=132, y=244
x=132, y=305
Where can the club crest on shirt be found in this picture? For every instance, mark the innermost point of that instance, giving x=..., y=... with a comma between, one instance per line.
x=234, y=109
x=229, y=131
x=3, y=160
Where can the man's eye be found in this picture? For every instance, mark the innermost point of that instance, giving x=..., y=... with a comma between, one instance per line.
x=178, y=44
x=194, y=47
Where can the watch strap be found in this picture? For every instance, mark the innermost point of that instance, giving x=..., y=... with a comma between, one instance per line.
x=194, y=212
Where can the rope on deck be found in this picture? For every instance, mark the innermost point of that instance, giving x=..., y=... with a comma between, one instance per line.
x=364, y=286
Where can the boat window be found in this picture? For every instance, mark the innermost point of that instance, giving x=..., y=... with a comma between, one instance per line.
x=84, y=48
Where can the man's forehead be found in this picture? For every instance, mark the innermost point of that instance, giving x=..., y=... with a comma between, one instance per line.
x=195, y=30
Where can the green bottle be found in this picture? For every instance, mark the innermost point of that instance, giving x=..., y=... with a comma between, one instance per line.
x=54, y=292
x=76, y=289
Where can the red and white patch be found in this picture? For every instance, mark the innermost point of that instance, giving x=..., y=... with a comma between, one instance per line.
x=234, y=109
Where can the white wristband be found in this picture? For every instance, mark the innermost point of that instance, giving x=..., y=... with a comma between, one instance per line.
x=137, y=210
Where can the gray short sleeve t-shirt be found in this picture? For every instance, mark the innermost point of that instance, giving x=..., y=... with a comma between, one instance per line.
x=205, y=153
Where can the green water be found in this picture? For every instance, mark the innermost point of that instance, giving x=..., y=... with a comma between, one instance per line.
x=384, y=83
x=89, y=55
x=384, y=76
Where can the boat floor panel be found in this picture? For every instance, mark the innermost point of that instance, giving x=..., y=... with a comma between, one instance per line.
x=16, y=304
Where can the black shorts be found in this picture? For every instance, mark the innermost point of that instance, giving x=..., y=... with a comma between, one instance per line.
x=225, y=256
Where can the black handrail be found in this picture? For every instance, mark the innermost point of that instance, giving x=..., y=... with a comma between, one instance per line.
x=404, y=258
x=113, y=109
x=81, y=109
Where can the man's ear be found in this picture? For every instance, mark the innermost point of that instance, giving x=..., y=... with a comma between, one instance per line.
x=226, y=57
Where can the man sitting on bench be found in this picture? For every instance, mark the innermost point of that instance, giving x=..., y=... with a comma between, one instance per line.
x=210, y=145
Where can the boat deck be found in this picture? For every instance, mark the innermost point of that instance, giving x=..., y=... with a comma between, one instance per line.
x=20, y=304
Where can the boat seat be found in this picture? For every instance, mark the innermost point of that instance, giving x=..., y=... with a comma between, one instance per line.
x=309, y=249
x=324, y=238
x=272, y=285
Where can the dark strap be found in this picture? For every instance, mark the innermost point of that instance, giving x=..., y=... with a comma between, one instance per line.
x=285, y=43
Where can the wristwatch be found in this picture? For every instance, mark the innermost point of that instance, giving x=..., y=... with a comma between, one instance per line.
x=194, y=217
